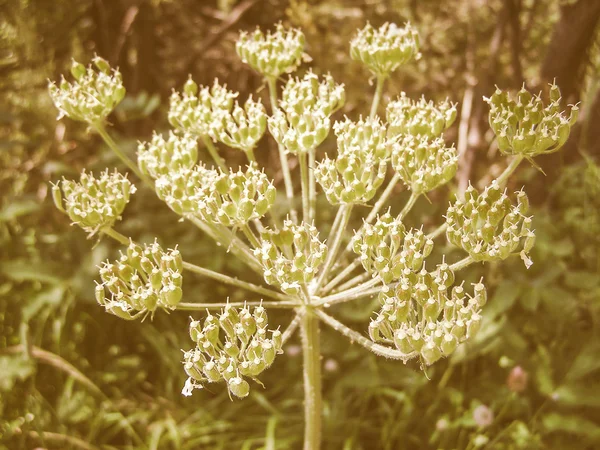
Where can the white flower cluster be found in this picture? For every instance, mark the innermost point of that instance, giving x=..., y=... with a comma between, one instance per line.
x=94, y=202
x=419, y=118
x=291, y=256
x=386, y=48
x=162, y=156
x=142, y=280
x=488, y=227
x=360, y=167
x=93, y=94
x=302, y=121
x=229, y=347
x=273, y=53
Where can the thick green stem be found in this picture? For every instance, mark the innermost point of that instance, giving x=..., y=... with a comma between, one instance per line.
x=285, y=168
x=250, y=155
x=409, y=204
x=461, y=264
x=214, y=153
x=254, y=242
x=377, y=96
x=305, y=188
x=334, y=241
x=509, y=170
x=101, y=130
x=312, y=379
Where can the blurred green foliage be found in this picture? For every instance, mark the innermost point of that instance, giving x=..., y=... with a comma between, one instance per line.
x=72, y=376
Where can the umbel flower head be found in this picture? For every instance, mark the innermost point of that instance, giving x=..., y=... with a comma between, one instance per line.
x=229, y=347
x=360, y=167
x=274, y=53
x=161, y=156
x=93, y=203
x=199, y=110
x=229, y=198
x=93, y=94
x=302, y=121
x=423, y=163
x=421, y=317
x=386, y=48
x=291, y=256
x=242, y=127
x=142, y=280
x=524, y=126
x=377, y=244
x=488, y=227
x=419, y=118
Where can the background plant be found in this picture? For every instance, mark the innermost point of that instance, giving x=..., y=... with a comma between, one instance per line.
x=358, y=382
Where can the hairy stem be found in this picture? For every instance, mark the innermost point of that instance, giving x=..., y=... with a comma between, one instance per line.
x=285, y=168
x=208, y=273
x=254, y=242
x=309, y=330
x=359, y=291
x=377, y=96
x=355, y=336
x=341, y=276
x=214, y=153
x=305, y=188
x=356, y=280
x=101, y=130
x=334, y=241
x=461, y=264
x=409, y=204
x=291, y=328
x=514, y=163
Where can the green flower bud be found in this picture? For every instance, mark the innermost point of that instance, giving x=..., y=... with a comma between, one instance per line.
x=430, y=353
x=238, y=387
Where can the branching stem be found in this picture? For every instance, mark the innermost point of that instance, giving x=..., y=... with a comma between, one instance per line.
x=214, y=153
x=334, y=241
x=354, y=336
x=377, y=96
x=302, y=160
x=209, y=273
x=285, y=168
x=101, y=130
x=309, y=331
x=202, y=306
